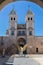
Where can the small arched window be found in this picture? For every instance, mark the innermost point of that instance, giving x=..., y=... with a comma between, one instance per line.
x=14, y=18
x=12, y=32
x=28, y=18
x=11, y=18
x=30, y=32
x=36, y=50
x=31, y=18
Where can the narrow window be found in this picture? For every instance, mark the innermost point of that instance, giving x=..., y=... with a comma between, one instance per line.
x=23, y=32
x=31, y=18
x=12, y=32
x=19, y=33
x=14, y=18
x=37, y=50
x=30, y=32
x=28, y=18
x=11, y=18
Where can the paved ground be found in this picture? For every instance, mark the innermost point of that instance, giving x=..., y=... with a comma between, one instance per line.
x=3, y=59
x=38, y=59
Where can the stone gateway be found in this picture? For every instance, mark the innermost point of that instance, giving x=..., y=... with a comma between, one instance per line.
x=21, y=36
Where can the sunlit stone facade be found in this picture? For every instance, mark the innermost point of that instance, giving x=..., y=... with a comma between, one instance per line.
x=20, y=35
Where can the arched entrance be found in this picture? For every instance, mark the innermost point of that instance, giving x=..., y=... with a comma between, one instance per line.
x=22, y=43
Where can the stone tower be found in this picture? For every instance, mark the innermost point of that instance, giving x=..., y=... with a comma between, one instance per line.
x=12, y=31
x=30, y=23
x=29, y=29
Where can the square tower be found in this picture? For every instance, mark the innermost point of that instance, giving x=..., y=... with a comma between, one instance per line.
x=30, y=23
x=12, y=31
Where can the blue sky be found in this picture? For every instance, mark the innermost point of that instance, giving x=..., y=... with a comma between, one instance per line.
x=21, y=8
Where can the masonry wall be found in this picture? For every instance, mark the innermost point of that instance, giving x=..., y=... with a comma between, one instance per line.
x=35, y=42
x=39, y=2
x=3, y=4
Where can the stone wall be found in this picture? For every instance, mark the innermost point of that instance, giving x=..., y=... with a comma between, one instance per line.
x=39, y=2
x=35, y=42
x=3, y=4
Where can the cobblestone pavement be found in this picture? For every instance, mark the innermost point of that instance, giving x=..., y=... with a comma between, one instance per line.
x=38, y=58
x=3, y=59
